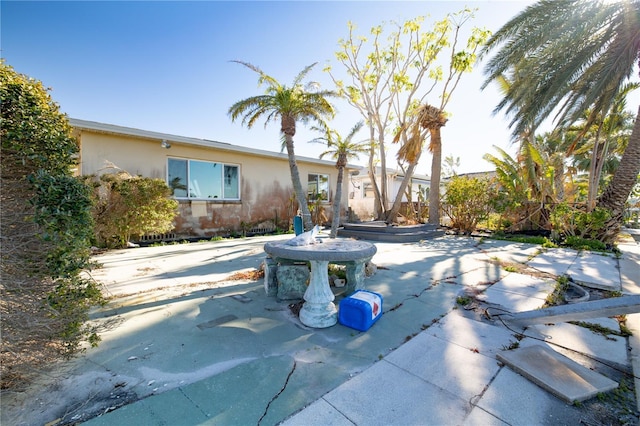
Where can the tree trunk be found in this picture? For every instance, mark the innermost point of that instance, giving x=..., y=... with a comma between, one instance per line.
x=335, y=220
x=379, y=191
x=436, y=168
x=377, y=207
x=288, y=128
x=598, y=172
x=558, y=179
x=374, y=185
x=384, y=197
x=625, y=177
x=594, y=175
x=393, y=212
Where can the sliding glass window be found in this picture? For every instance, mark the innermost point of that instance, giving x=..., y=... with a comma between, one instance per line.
x=204, y=180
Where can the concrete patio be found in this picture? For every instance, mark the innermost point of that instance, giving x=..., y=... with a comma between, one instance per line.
x=183, y=344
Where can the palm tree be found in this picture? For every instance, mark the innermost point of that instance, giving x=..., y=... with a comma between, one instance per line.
x=554, y=149
x=342, y=150
x=572, y=56
x=431, y=119
x=290, y=105
x=513, y=188
x=530, y=182
x=606, y=139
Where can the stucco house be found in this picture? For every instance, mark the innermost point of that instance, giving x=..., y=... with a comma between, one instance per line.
x=361, y=196
x=221, y=188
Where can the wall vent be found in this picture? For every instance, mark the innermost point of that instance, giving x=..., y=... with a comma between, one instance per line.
x=157, y=237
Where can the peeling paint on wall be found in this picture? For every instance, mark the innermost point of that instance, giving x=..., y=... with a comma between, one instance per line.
x=267, y=201
x=274, y=207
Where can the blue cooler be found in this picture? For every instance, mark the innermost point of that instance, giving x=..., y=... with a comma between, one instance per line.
x=360, y=310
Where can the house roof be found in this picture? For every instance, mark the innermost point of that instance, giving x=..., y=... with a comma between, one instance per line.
x=175, y=139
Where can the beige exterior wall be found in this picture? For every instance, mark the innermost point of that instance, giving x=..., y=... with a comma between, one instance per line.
x=362, y=198
x=265, y=181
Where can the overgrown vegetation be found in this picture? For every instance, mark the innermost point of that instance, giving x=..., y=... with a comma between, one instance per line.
x=402, y=64
x=557, y=296
x=463, y=300
x=573, y=242
x=529, y=239
x=467, y=201
x=128, y=206
x=45, y=230
x=578, y=224
x=471, y=203
x=602, y=330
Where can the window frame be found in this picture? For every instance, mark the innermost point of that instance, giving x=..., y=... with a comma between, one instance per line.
x=222, y=180
x=317, y=183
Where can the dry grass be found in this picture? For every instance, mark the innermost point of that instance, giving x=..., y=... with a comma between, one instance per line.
x=28, y=325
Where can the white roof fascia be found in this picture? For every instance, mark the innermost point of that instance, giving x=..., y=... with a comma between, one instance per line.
x=146, y=134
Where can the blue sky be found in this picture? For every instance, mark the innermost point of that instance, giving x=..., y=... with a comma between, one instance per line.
x=164, y=66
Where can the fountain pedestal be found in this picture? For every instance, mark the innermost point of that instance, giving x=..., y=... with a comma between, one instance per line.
x=319, y=311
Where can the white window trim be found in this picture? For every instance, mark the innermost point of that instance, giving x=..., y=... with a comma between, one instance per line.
x=329, y=197
x=188, y=160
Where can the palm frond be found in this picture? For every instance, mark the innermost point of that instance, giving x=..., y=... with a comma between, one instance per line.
x=302, y=74
x=264, y=77
x=568, y=56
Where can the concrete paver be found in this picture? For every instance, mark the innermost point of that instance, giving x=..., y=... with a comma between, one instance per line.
x=471, y=334
x=479, y=417
x=461, y=371
x=516, y=400
x=596, y=271
x=196, y=353
x=367, y=399
x=554, y=261
x=556, y=373
x=610, y=348
x=518, y=292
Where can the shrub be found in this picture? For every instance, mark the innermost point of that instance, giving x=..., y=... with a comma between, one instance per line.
x=466, y=202
x=497, y=222
x=568, y=221
x=580, y=243
x=45, y=226
x=528, y=239
x=63, y=213
x=130, y=206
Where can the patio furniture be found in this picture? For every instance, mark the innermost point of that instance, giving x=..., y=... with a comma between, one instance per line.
x=319, y=311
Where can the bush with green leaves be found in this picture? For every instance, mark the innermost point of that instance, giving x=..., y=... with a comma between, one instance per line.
x=45, y=230
x=580, y=243
x=128, y=206
x=575, y=221
x=467, y=202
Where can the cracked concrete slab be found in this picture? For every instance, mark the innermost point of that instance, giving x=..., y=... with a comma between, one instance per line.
x=462, y=371
x=514, y=302
x=365, y=399
x=558, y=374
x=479, y=417
x=473, y=335
x=319, y=413
x=553, y=261
x=629, y=265
x=181, y=346
x=596, y=270
x=583, y=340
x=526, y=403
x=520, y=292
